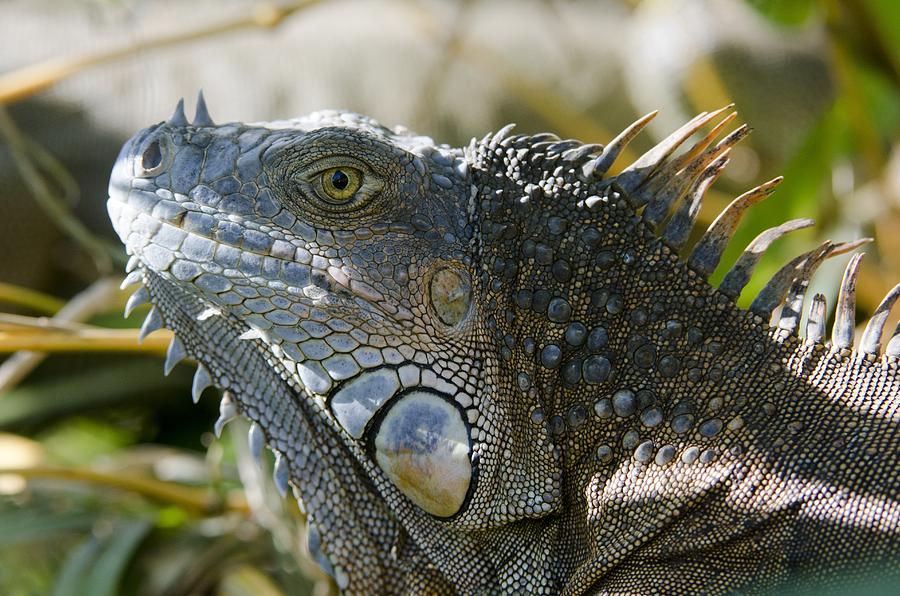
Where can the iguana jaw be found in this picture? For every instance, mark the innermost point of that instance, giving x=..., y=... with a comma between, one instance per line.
x=296, y=430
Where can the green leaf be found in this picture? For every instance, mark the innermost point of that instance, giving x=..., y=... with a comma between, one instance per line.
x=103, y=578
x=884, y=16
x=784, y=12
x=70, y=578
x=86, y=390
x=96, y=565
x=21, y=526
x=802, y=194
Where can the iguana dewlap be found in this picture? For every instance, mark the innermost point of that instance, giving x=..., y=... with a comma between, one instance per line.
x=497, y=369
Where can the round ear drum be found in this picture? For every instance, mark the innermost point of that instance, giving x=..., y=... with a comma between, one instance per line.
x=450, y=295
x=422, y=444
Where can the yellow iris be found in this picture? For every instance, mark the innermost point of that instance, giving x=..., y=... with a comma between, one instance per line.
x=341, y=183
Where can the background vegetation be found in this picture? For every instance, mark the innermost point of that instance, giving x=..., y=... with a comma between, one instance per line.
x=110, y=480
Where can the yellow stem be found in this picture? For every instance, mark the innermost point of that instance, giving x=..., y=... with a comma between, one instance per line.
x=32, y=79
x=14, y=339
x=31, y=299
x=198, y=499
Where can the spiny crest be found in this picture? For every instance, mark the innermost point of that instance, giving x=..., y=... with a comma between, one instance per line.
x=668, y=190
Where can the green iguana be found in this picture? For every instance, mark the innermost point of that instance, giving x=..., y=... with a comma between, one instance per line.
x=497, y=370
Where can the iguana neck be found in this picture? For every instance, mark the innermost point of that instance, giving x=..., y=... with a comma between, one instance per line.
x=629, y=357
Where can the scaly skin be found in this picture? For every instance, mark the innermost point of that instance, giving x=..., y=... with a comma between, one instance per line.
x=489, y=370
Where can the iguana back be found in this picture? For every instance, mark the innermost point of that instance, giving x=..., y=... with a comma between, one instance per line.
x=491, y=370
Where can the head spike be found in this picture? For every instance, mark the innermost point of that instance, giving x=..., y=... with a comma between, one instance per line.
x=871, y=339
x=131, y=265
x=131, y=279
x=673, y=179
x=141, y=296
x=151, y=323
x=227, y=412
x=201, y=113
x=281, y=474
x=501, y=134
x=843, y=248
x=649, y=163
x=713, y=153
x=175, y=354
x=845, y=312
x=579, y=153
x=789, y=318
x=178, y=118
x=202, y=380
x=700, y=146
x=776, y=289
x=893, y=347
x=560, y=147
x=257, y=440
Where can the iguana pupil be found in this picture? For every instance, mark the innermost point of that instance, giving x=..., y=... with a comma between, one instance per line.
x=340, y=180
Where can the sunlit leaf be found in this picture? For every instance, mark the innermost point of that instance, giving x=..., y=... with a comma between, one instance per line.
x=247, y=580
x=784, y=12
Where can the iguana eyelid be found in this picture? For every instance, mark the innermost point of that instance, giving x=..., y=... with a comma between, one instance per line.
x=310, y=178
x=311, y=171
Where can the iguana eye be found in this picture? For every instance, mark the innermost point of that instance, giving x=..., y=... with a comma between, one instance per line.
x=341, y=183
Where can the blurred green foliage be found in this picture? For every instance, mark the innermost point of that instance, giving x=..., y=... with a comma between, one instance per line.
x=122, y=489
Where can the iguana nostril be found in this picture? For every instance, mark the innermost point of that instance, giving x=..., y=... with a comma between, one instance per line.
x=152, y=157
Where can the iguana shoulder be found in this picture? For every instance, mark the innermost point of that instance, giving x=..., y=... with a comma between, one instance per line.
x=500, y=369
